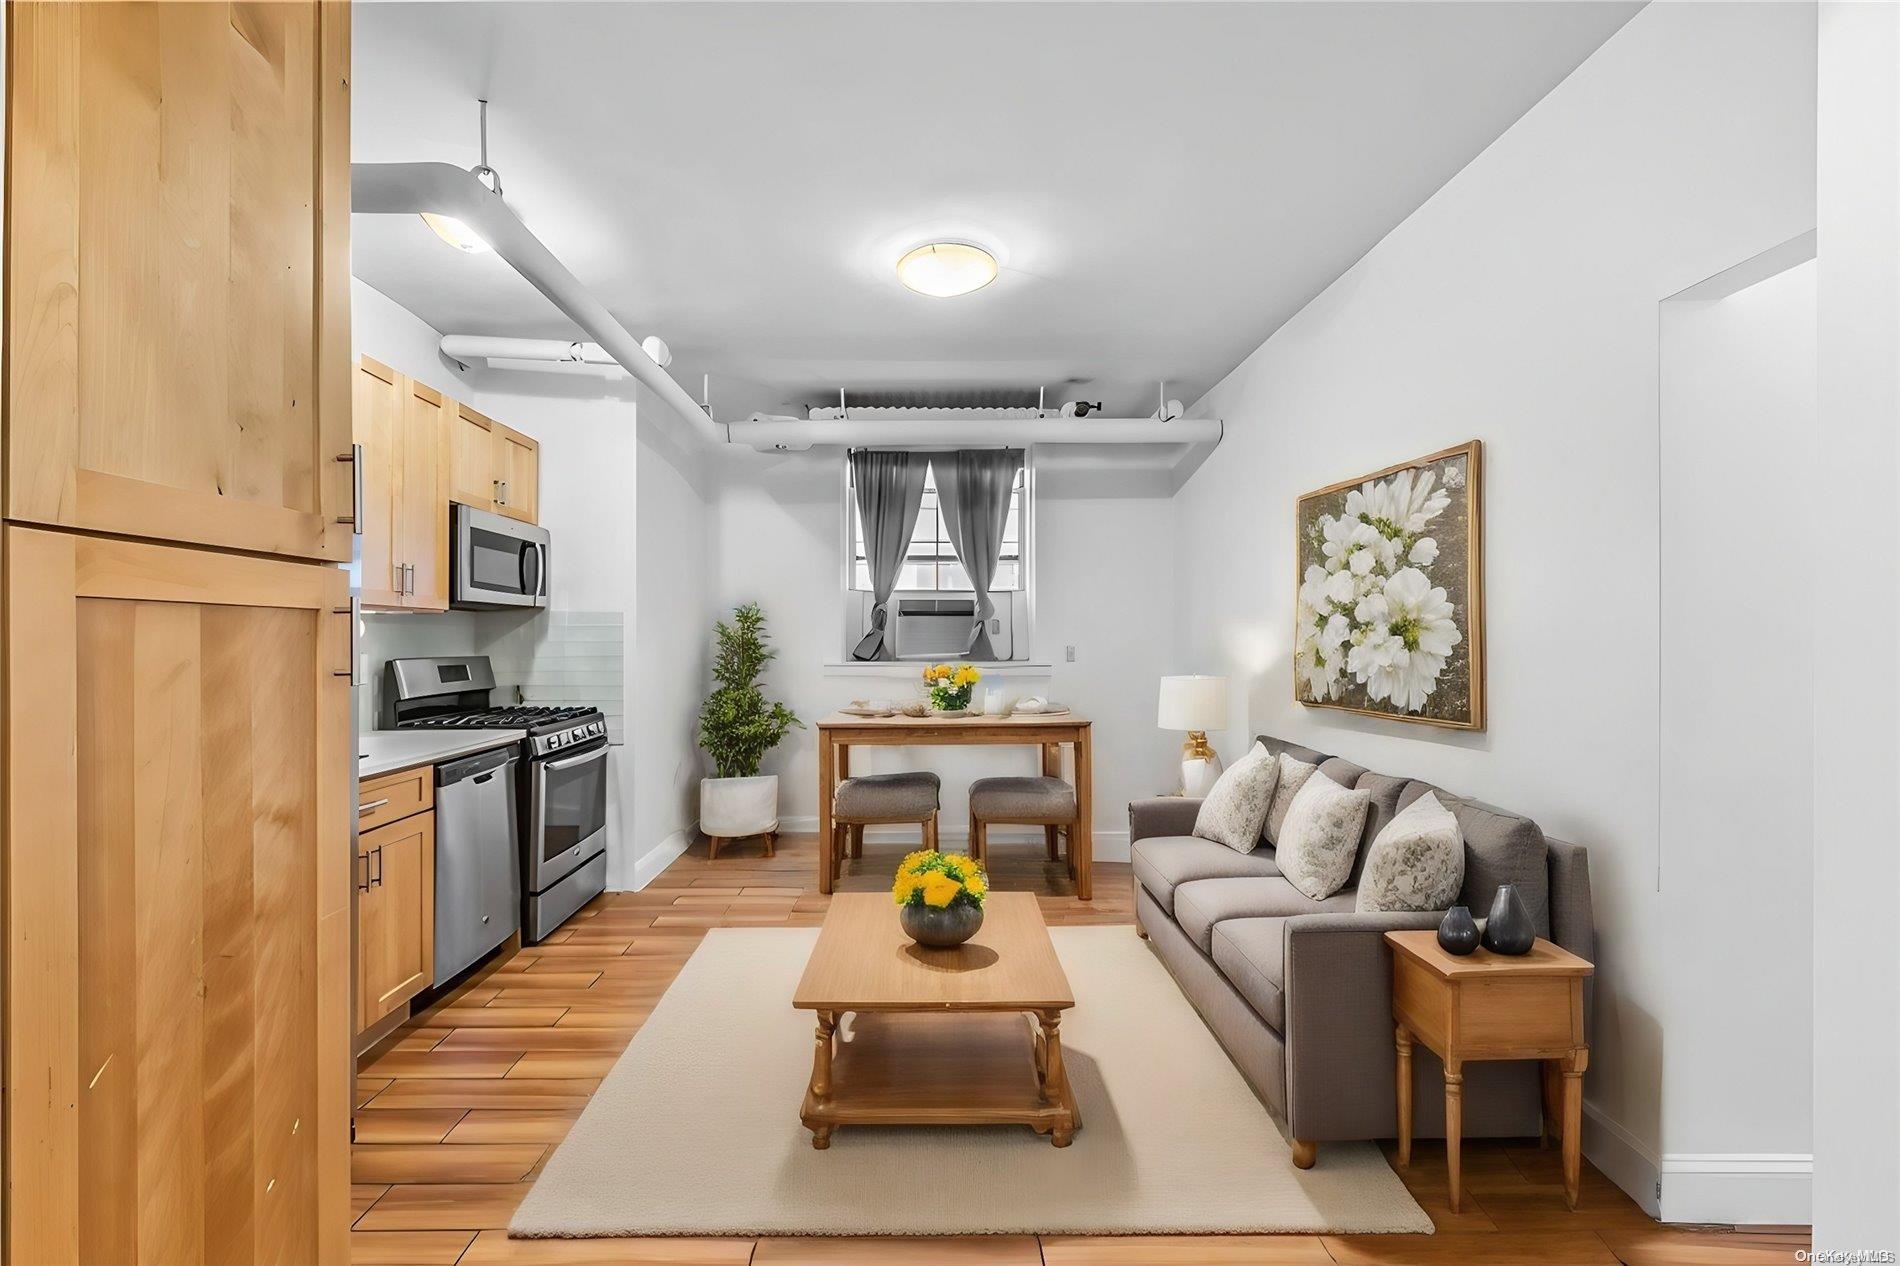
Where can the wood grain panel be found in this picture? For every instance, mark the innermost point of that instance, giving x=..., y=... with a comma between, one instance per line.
x=170, y=854
x=177, y=265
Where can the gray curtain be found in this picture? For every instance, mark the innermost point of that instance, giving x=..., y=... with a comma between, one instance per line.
x=889, y=487
x=973, y=487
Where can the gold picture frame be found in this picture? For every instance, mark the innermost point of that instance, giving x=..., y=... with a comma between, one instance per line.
x=1354, y=664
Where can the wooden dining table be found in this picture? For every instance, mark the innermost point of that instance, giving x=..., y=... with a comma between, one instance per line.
x=839, y=732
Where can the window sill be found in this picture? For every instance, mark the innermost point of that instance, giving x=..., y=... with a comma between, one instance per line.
x=912, y=667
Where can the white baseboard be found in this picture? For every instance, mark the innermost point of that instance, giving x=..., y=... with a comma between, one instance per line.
x=1110, y=846
x=1774, y=1189
x=1622, y=1158
x=648, y=866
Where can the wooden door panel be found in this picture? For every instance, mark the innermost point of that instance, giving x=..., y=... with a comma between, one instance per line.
x=518, y=465
x=424, y=505
x=176, y=849
x=177, y=266
x=396, y=926
x=472, y=471
x=381, y=398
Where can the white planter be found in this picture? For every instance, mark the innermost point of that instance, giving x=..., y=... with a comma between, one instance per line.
x=730, y=808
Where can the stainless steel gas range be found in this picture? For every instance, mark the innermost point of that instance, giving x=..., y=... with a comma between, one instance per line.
x=562, y=789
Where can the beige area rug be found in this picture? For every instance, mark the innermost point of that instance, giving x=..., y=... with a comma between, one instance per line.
x=696, y=1131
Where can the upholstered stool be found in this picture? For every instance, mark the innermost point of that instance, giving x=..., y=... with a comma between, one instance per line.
x=878, y=799
x=1045, y=802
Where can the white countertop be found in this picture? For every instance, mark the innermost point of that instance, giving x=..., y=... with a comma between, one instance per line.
x=386, y=751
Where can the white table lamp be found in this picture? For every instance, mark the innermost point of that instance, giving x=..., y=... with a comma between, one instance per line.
x=1197, y=705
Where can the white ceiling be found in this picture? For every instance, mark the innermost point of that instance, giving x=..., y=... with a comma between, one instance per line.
x=1165, y=183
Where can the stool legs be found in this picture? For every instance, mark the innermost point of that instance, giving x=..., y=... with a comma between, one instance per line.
x=979, y=841
x=1051, y=843
x=857, y=841
x=930, y=830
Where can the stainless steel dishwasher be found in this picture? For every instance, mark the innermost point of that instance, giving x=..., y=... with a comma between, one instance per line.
x=477, y=861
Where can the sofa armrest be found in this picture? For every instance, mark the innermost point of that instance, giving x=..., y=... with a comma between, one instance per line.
x=1340, y=1060
x=1162, y=815
x=1572, y=920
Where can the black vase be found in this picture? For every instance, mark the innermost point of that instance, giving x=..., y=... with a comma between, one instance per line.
x=1508, y=930
x=1458, y=933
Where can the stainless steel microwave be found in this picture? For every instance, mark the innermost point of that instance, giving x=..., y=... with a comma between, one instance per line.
x=495, y=562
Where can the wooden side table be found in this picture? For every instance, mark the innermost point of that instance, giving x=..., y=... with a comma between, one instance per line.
x=1491, y=1006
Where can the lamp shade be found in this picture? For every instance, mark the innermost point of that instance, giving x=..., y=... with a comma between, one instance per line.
x=1193, y=703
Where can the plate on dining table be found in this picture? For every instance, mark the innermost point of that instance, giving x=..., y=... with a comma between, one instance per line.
x=1046, y=710
x=868, y=712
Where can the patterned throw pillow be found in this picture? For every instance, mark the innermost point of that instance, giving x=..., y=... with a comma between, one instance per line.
x=1237, y=804
x=1320, y=836
x=1417, y=862
x=1293, y=776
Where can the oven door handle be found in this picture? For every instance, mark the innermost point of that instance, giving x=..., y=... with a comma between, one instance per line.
x=552, y=766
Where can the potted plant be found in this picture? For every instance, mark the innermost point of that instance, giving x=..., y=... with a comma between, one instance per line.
x=951, y=685
x=940, y=897
x=737, y=727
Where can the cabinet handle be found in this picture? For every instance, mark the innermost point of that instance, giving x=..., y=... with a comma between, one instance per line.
x=504, y=490
x=371, y=807
x=355, y=458
x=362, y=885
x=355, y=612
x=408, y=577
x=377, y=881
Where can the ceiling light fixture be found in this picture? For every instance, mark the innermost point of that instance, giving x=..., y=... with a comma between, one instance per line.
x=452, y=230
x=944, y=270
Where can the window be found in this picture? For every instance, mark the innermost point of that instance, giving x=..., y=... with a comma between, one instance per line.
x=930, y=565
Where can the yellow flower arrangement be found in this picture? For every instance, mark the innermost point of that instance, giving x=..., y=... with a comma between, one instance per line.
x=939, y=880
x=950, y=685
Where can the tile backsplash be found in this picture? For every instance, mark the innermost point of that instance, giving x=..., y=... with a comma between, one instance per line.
x=576, y=657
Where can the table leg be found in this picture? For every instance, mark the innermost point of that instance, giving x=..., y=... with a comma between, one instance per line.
x=821, y=1073
x=1403, y=1037
x=1573, y=1069
x=1082, y=842
x=1454, y=1128
x=1553, y=1102
x=825, y=793
x=1055, y=1077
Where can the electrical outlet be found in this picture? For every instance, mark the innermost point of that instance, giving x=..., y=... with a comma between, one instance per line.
x=1068, y=654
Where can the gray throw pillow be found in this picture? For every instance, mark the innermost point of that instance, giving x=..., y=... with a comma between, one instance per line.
x=1320, y=836
x=1417, y=862
x=1236, y=806
x=1293, y=776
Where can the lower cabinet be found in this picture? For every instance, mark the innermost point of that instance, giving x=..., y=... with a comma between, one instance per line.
x=177, y=886
x=395, y=893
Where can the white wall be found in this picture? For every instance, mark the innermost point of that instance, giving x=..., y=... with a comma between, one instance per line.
x=1104, y=546
x=1857, y=711
x=1519, y=306
x=1737, y=745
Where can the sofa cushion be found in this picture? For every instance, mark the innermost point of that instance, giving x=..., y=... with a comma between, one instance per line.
x=1320, y=838
x=1163, y=861
x=903, y=797
x=1201, y=903
x=1251, y=953
x=1501, y=847
x=1297, y=752
x=1235, y=809
x=1342, y=771
x=1380, y=810
x=1416, y=863
x=1294, y=774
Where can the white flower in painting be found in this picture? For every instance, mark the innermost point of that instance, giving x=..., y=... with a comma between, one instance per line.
x=1378, y=661
x=1340, y=589
x=1363, y=561
x=1419, y=618
x=1423, y=553
x=1335, y=540
x=1371, y=609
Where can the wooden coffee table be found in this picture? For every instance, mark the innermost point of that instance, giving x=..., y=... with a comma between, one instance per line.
x=964, y=1036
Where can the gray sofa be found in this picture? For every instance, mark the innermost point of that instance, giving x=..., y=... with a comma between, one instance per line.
x=1299, y=991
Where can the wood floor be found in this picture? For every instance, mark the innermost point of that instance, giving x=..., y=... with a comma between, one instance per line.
x=463, y=1106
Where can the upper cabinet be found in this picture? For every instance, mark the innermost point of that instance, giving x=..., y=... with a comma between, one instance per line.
x=400, y=426
x=177, y=264
x=493, y=467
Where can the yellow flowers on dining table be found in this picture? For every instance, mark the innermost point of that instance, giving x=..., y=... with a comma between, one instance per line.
x=956, y=676
x=939, y=880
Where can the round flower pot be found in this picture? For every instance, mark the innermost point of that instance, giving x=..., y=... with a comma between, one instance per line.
x=732, y=808
x=940, y=927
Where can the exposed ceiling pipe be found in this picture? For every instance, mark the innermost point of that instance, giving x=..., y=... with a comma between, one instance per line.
x=442, y=188
x=795, y=435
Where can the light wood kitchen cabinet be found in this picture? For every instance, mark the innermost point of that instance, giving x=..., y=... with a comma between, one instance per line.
x=177, y=878
x=400, y=430
x=493, y=467
x=517, y=474
x=177, y=326
x=395, y=915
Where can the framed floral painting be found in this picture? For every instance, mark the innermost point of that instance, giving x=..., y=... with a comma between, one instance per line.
x=1390, y=613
